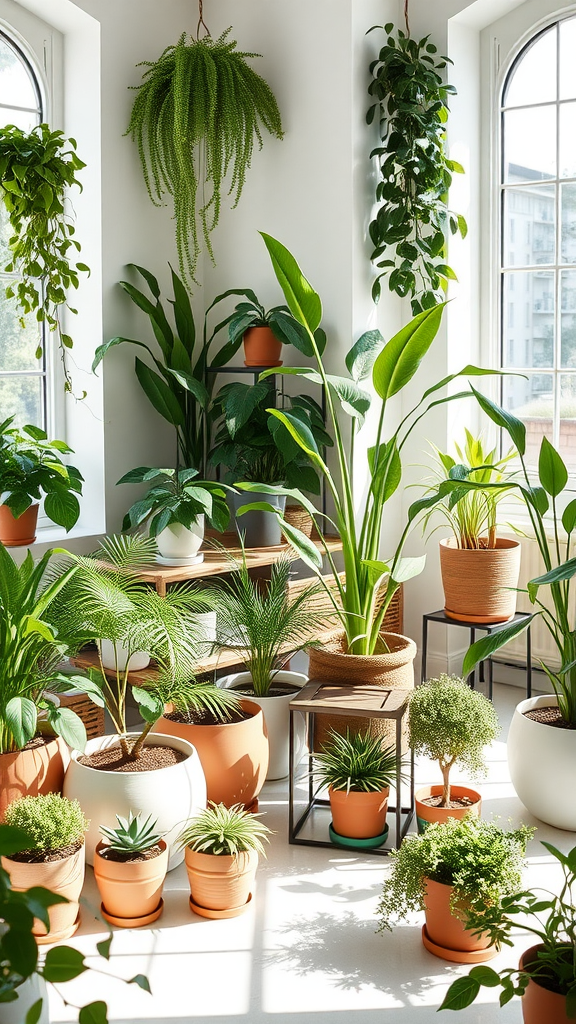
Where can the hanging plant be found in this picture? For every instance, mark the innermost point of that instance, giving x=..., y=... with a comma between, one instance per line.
x=36, y=169
x=197, y=114
x=410, y=229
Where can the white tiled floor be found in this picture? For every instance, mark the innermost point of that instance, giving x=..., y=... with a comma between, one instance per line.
x=307, y=950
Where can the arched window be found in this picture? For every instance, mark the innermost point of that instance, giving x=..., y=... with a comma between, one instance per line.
x=538, y=239
x=23, y=377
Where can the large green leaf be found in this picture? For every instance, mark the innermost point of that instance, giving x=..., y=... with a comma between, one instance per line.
x=69, y=726
x=551, y=469
x=12, y=840
x=503, y=419
x=159, y=394
x=189, y=383
x=63, y=964
x=569, y=516
x=408, y=568
x=302, y=435
x=302, y=300
x=361, y=357
x=240, y=402
x=566, y=571
x=94, y=1013
x=353, y=399
x=20, y=715
x=290, y=332
x=62, y=507
x=19, y=949
x=183, y=316
x=401, y=357
x=103, y=349
x=461, y=994
x=488, y=645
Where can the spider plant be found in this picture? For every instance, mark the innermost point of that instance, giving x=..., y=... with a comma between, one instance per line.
x=225, y=831
x=265, y=626
x=355, y=761
x=133, y=835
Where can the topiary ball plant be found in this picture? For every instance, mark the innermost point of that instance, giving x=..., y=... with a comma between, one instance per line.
x=451, y=724
x=51, y=821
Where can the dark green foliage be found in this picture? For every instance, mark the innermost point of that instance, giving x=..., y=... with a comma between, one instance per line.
x=200, y=105
x=177, y=497
x=32, y=466
x=409, y=231
x=357, y=762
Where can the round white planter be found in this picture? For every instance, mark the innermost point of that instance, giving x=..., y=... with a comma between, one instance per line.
x=542, y=763
x=276, y=710
x=115, y=655
x=171, y=795
x=177, y=541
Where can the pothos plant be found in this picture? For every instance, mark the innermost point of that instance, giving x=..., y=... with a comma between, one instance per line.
x=410, y=228
x=36, y=170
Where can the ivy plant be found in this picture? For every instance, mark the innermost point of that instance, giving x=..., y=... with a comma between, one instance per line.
x=411, y=225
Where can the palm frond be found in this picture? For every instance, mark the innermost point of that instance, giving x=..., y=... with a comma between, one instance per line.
x=128, y=551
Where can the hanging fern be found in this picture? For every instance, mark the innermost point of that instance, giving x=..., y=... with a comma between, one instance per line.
x=197, y=113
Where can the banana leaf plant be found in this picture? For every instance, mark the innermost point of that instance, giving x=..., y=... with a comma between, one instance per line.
x=392, y=366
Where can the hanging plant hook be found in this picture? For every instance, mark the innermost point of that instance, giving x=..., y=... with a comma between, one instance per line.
x=201, y=21
x=406, y=2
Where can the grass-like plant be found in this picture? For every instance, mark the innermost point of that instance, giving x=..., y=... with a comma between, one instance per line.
x=451, y=724
x=355, y=762
x=200, y=105
x=479, y=859
x=52, y=822
x=263, y=624
x=225, y=831
x=133, y=835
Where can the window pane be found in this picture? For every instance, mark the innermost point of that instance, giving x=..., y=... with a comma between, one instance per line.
x=534, y=78
x=531, y=401
x=15, y=83
x=568, y=420
x=530, y=144
x=568, y=319
x=567, y=140
x=22, y=397
x=568, y=216
x=21, y=118
x=528, y=319
x=17, y=345
x=567, y=62
x=529, y=226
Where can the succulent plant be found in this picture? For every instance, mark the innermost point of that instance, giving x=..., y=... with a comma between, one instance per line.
x=133, y=835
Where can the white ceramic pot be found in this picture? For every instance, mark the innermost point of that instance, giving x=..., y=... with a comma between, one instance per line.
x=177, y=541
x=29, y=992
x=171, y=795
x=115, y=655
x=276, y=710
x=542, y=761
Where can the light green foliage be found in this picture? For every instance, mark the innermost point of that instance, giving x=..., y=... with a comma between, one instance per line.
x=357, y=762
x=200, y=104
x=226, y=831
x=201, y=698
x=482, y=861
x=452, y=724
x=137, y=551
x=51, y=821
x=31, y=466
x=133, y=835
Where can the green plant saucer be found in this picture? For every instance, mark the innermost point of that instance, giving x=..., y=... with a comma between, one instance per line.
x=357, y=844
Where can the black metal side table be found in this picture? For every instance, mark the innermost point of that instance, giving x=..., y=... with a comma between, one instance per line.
x=440, y=616
x=361, y=702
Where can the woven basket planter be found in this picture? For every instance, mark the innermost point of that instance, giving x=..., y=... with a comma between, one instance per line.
x=479, y=584
x=297, y=516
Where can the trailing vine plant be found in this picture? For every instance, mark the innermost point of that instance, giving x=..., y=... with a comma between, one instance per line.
x=36, y=169
x=410, y=229
x=196, y=116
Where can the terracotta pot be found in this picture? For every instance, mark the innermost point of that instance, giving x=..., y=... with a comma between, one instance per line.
x=16, y=532
x=220, y=882
x=477, y=582
x=359, y=815
x=234, y=755
x=65, y=877
x=447, y=937
x=261, y=347
x=425, y=814
x=540, y=1005
x=131, y=890
x=32, y=772
x=331, y=664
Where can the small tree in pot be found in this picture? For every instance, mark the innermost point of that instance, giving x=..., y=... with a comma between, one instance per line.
x=451, y=724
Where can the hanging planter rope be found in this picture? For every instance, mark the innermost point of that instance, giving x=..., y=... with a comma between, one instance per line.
x=200, y=105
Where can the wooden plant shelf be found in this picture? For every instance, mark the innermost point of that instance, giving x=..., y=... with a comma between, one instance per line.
x=88, y=658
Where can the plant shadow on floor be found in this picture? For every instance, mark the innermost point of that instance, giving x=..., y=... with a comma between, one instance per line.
x=338, y=893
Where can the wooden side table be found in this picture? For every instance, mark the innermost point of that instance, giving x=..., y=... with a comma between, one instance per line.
x=361, y=702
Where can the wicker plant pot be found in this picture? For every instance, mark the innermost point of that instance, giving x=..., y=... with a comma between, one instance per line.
x=298, y=517
x=479, y=584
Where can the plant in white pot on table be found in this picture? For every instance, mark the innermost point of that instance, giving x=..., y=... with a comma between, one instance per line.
x=451, y=724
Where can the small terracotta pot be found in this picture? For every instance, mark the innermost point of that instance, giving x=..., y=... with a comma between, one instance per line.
x=16, y=532
x=234, y=755
x=479, y=583
x=131, y=890
x=425, y=814
x=221, y=882
x=32, y=772
x=261, y=347
x=540, y=1005
x=65, y=877
x=358, y=815
x=446, y=933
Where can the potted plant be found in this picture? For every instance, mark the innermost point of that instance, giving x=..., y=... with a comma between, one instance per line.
x=451, y=724
x=546, y=975
x=542, y=736
x=31, y=466
x=175, y=508
x=265, y=626
x=53, y=860
x=263, y=332
x=358, y=771
x=456, y=868
x=32, y=727
x=479, y=569
x=221, y=852
x=130, y=867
